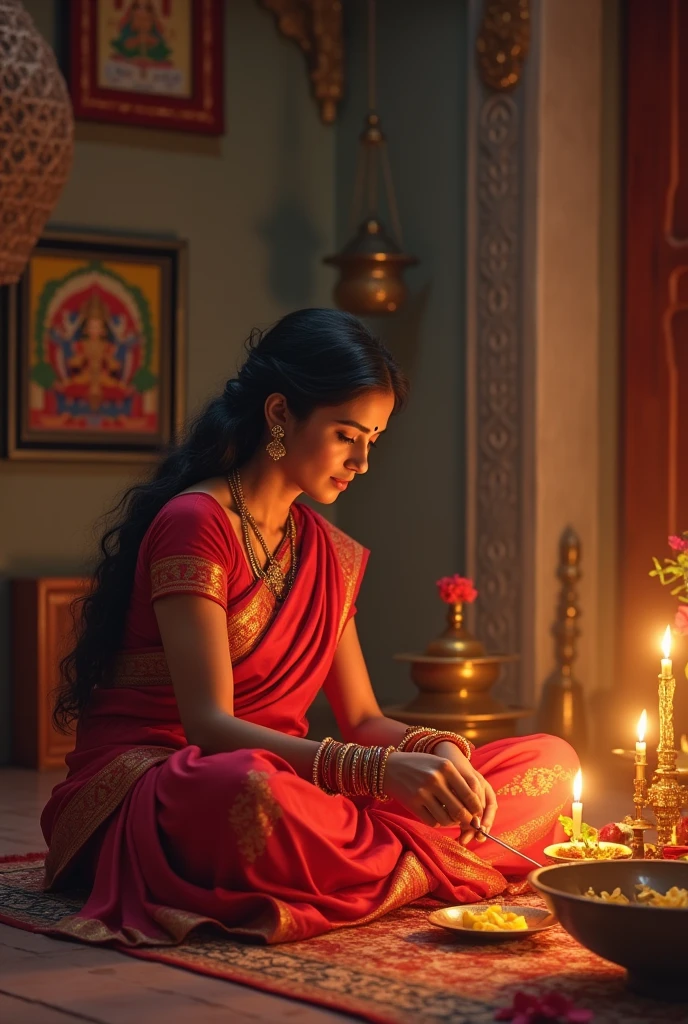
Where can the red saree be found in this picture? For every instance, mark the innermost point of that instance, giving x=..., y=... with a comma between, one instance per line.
x=169, y=839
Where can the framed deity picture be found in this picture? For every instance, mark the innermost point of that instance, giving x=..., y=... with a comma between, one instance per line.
x=94, y=338
x=156, y=63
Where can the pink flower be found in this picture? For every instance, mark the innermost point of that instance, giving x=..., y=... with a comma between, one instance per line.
x=456, y=589
x=549, y=1008
x=681, y=620
x=679, y=543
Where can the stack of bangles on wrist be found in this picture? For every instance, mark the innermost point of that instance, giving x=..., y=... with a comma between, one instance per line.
x=421, y=740
x=354, y=770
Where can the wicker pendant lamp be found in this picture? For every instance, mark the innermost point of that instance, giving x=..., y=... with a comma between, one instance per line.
x=36, y=137
x=372, y=263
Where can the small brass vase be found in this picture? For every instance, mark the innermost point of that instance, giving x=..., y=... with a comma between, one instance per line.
x=455, y=641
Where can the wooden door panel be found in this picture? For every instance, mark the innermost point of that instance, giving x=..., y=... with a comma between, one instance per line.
x=654, y=435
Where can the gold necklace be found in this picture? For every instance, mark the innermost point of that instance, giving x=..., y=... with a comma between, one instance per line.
x=272, y=576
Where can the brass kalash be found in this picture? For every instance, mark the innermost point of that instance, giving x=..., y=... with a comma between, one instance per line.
x=455, y=676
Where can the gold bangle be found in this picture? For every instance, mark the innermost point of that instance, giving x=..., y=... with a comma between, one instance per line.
x=341, y=754
x=365, y=771
x=372, y=770
x=347, y=787
x=330, y=753
x=413, y=733
x=375, y=775
x=450, y=737
x=381, y=795
x=355, y=762
x=316, y=761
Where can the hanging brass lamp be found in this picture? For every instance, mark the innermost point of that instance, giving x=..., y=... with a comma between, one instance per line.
x=371, y=265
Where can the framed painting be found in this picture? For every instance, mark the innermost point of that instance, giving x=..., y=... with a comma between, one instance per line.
x=156, y=63
x=94, y=360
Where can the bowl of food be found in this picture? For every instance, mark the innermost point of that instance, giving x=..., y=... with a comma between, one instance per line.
x=631, y=912
x=577, y=852
x=493, y=923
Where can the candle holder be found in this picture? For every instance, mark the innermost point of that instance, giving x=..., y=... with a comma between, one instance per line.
x=666, y=796
x=639, y=824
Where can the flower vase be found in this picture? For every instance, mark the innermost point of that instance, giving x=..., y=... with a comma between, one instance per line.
x=455, y=641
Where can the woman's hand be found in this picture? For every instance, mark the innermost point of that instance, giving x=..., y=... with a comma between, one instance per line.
x=440, y=790
x=480, y=786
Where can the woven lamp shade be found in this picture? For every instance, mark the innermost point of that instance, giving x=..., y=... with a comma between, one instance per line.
x=36, y=137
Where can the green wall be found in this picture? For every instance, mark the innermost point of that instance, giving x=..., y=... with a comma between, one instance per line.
x=409, y=509
x=257, y=209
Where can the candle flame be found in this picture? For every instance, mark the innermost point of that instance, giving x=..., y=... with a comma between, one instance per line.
x=642, y=726
x=578, y=786
x=666, y=643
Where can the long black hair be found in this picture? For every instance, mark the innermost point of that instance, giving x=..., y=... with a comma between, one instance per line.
x=314, y=357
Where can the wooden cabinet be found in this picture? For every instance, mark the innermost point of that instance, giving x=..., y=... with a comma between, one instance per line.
x=41, y=628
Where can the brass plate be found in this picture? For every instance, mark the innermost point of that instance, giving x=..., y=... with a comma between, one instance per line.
x=538, y=920
x=549, y=851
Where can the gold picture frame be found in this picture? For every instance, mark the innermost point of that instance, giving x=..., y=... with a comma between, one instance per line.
x=95, y=349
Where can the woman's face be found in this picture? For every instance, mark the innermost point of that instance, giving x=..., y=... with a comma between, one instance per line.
x=329, y=449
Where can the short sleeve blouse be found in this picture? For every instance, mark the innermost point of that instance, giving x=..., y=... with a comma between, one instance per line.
x=188, y=549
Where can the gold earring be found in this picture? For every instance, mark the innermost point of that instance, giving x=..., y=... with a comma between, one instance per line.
x=275, y=448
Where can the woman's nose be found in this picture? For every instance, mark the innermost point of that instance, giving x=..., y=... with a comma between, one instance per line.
x=359, y=462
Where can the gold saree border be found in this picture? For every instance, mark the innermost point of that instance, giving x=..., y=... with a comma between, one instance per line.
x=276, y=923
x=94, y=802
x=188, y=574
x=410, y=883
x=531, y=831
x=145, y=668
x=245, y=629
x=467, y=864
x=350, y=557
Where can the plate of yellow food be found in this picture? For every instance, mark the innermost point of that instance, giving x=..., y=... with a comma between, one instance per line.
x=567, y=853
x=493, y=922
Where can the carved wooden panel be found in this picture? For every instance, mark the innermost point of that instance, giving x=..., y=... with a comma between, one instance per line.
x=654, y=429
x=41, y=628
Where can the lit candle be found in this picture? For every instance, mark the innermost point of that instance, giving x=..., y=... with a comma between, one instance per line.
x=577, y=808
x=641, y=745
x=667, y=685
x=667, y=667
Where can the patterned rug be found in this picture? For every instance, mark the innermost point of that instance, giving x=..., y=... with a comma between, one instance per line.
x=399, y=970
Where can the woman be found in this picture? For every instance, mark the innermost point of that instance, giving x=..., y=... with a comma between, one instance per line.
x=220, y=607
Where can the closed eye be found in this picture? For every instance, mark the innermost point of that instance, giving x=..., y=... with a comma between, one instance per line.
x=352, y=440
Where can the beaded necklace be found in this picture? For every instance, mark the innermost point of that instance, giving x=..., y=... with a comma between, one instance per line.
x=272, y=575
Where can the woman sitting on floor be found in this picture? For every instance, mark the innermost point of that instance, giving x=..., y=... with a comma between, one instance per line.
x=219, y=609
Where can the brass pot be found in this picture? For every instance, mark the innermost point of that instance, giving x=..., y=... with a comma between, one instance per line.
x=455, y=641
x=455, y=684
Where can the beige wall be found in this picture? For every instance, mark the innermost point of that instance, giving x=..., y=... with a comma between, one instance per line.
x=576, y=322
x=257, y=209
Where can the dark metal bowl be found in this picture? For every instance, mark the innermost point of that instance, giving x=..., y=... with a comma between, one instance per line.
x=650, y=942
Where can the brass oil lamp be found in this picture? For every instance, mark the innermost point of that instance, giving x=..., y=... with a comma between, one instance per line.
x=372, y=263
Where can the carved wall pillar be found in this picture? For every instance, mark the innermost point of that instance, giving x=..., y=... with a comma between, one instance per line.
x=539, y=453
x=496, y=491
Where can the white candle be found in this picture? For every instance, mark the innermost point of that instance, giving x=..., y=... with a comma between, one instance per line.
x=667, y=667
x=577, y=808
x=641, y=745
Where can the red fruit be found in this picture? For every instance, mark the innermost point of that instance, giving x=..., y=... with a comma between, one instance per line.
x=682, y=832
x=616, y=832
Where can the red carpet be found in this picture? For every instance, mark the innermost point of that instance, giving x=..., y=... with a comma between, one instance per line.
x=399, y=970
